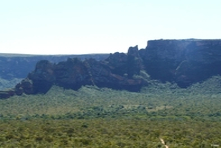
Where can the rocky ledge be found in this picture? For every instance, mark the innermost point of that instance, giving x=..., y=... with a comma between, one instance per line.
x=178, y=61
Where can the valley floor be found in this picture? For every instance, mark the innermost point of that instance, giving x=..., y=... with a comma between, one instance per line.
x=104, y=118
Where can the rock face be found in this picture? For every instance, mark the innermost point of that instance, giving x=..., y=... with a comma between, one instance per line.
x=182, y=61
x=178, y=61
x=74, y=73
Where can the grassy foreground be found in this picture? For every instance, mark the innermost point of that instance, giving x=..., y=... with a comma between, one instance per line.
x=93, y=117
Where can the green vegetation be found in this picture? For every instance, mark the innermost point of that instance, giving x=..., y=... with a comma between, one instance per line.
x=133, y=133
x=102, y=117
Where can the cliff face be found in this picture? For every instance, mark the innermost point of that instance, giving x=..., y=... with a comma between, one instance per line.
x=182, y=61
x=179, y=61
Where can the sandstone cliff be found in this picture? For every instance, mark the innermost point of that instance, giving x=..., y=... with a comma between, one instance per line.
x=178, y=61
x=182, y=61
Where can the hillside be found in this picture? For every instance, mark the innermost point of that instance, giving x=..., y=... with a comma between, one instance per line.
x=163, y=98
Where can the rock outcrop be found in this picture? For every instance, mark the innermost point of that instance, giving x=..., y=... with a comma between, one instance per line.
x=178, y=61
x=74, y=73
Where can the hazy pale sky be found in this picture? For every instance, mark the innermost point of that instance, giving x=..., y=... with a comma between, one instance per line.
x=102, y=26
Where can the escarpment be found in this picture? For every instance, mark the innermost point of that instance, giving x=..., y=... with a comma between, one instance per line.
x=178, y=61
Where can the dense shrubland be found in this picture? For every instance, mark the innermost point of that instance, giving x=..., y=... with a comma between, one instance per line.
x=133, y=133
x=102, y=117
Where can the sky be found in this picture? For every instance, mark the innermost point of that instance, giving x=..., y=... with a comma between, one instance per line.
x=102, y=26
